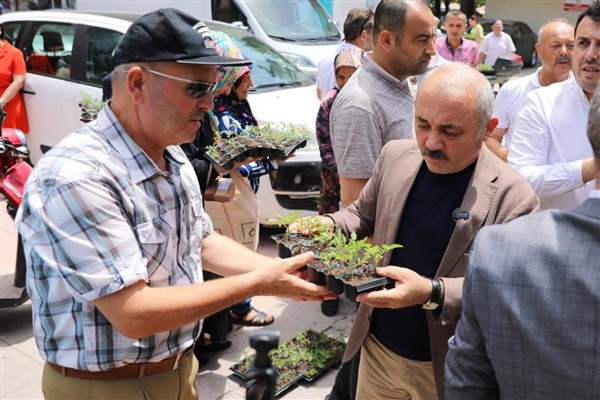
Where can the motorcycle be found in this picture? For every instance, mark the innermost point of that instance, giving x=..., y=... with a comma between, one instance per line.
x=14, y=171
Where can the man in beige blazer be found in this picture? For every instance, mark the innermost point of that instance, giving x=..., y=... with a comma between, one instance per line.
x=450, y=185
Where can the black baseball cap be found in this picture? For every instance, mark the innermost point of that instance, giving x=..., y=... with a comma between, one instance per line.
x=168, y=34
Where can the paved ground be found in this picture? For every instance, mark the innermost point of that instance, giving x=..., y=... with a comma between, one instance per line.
x=21, y=365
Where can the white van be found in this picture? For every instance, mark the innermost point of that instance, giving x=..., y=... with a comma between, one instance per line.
x=301, y=30
x=282, y=93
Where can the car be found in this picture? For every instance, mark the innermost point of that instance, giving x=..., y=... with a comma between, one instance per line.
x=68, y=55
x=522, y=36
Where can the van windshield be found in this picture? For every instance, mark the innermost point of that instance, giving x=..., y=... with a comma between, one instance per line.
x=295, y=20
x=269, y=68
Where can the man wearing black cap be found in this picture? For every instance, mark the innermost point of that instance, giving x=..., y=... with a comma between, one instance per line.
x=116, y=237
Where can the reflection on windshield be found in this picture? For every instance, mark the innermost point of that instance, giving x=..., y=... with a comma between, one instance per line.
x=269, y=68
x=294, y=20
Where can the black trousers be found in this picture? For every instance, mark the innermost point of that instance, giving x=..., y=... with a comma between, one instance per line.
x=344, y=387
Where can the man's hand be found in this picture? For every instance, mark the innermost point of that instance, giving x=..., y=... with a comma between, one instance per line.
x=279, y=279
x=410, y=289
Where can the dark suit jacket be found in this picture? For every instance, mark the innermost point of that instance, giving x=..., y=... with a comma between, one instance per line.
x=531, y=324
x=495, y=194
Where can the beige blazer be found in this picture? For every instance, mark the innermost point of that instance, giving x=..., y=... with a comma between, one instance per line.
x=496, y=194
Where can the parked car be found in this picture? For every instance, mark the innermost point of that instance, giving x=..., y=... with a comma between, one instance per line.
x=68, y=54
x=522, y=36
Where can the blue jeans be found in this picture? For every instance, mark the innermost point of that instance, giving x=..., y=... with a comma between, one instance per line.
x=242, y=308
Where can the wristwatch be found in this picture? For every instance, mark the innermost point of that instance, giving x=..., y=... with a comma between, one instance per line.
x=436, y=295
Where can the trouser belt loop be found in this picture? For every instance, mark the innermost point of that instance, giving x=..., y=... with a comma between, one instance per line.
x=176, y=363
x=63, y=371
x=142, y=370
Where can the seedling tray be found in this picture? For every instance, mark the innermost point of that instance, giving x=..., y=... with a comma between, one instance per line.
x=351, y=291
x=279, y=386
x=315, y=343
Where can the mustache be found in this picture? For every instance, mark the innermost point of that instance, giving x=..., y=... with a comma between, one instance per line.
x=596, y=63
x=561, y=59
x=436, y=155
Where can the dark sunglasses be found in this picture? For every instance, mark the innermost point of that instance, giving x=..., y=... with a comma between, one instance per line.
x=195, y=89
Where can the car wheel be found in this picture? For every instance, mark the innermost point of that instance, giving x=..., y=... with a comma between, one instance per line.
x=534, y=59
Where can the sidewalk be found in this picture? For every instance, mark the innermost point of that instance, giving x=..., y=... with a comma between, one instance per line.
x=21, y=365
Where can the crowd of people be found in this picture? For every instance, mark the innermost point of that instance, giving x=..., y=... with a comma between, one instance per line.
x=494, y=199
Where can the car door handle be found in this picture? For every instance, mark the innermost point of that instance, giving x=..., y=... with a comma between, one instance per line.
x=27, y=91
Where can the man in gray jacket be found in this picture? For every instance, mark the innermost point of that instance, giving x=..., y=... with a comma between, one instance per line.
x=529, y=326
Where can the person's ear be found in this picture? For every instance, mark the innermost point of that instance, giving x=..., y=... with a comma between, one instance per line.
x=489, y=128
x=387, y=40
x=136, y=83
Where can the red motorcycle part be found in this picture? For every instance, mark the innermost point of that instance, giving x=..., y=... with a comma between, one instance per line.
x=12, y=184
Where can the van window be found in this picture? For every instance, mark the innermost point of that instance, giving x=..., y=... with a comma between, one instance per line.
x=49, y=53
x=294, y=20
x=99, y=45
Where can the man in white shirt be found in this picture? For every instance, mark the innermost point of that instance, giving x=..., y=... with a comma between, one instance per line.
x=555, y=49
x=549, y=145
x=358, y=32
x=495, y=44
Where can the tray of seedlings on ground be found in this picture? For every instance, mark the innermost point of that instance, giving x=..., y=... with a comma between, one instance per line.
x=305, y=356
x=276, y=141
x=287, y=376
x=345, y=264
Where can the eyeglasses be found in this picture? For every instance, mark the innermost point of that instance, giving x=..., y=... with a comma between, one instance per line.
x=195, y=89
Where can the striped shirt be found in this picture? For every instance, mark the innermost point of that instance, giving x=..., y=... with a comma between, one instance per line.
x=98, y=216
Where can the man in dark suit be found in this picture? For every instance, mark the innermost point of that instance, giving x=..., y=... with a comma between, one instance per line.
x=431, y=195
x=529, y=328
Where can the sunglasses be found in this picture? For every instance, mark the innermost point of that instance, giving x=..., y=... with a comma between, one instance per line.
x=195, y=89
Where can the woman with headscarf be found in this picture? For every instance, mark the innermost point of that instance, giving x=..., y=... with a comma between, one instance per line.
x=233, y=114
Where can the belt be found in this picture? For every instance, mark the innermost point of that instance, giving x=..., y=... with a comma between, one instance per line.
x=136, y=370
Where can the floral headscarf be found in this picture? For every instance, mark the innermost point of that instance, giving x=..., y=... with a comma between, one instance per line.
x=226, y=48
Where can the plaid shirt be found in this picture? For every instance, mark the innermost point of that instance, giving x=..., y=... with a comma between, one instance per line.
x=99, y=216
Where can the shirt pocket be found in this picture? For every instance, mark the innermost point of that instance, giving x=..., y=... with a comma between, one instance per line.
x=154, y=243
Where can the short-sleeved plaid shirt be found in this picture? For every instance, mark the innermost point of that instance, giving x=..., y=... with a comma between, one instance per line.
x=98, y=215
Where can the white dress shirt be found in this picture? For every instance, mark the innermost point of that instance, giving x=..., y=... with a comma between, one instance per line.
x=510, y=99
x=549, y=142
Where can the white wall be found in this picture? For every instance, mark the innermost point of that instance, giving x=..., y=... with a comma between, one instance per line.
x=534, y=12
x=341, y=8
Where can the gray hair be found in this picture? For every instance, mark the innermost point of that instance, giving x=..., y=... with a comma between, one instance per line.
x=456, y=13
x=593, y=127
x=550, y=21
x=458, y=78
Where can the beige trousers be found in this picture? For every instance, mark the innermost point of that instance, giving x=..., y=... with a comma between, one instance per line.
x=179, y=384
x=383, y=374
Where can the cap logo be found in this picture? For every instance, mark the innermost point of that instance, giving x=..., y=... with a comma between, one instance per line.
x=203, y=30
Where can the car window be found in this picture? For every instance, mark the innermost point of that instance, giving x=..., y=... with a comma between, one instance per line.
x=99, y=45
x=515, y=32
x=11, y=31
x=49, y=52
x=269, y=68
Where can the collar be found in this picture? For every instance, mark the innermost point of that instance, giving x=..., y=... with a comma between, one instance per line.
x=372, y=67
x=140, y=166
x=577, y=89
x=450, y=46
